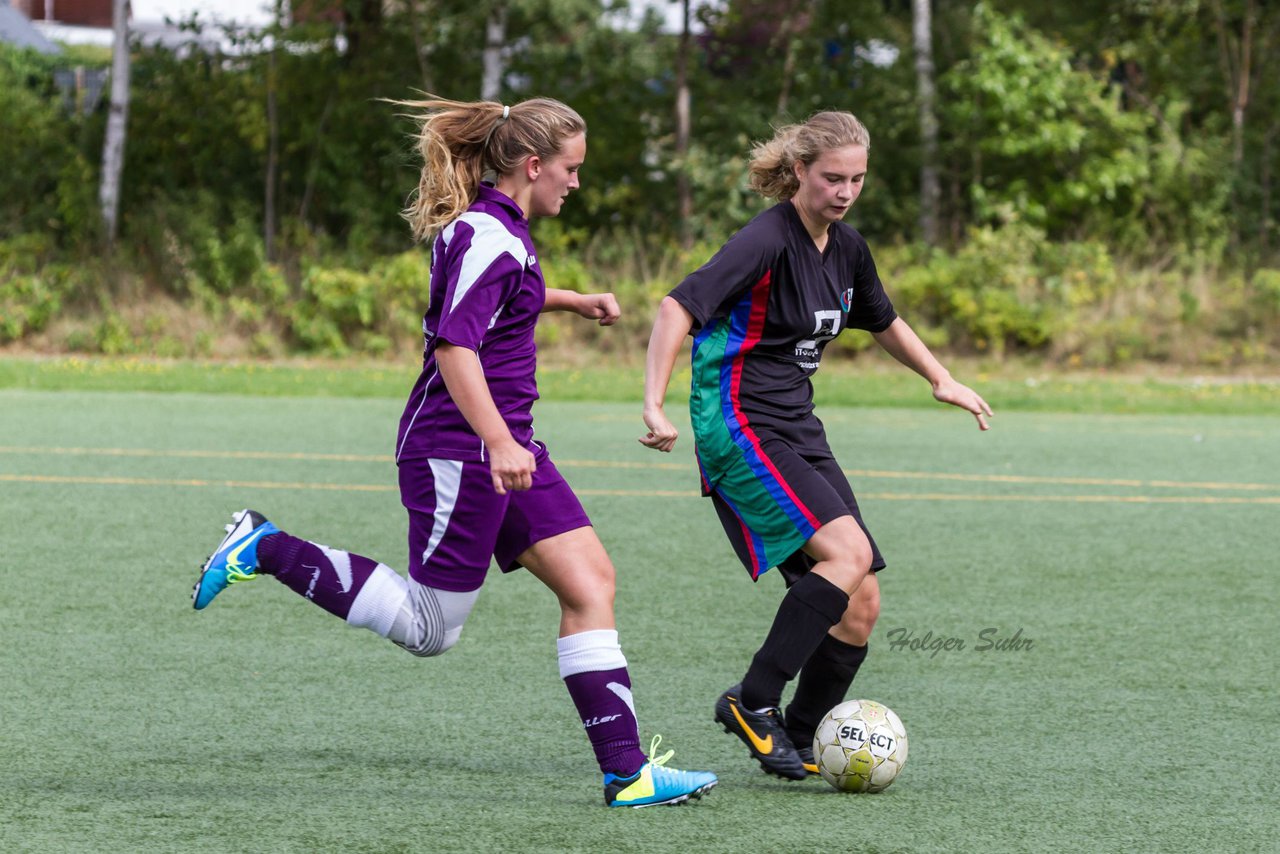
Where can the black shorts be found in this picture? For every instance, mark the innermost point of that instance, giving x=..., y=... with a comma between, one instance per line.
x=820, y=484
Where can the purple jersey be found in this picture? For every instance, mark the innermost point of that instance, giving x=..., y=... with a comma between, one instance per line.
x=486, y=294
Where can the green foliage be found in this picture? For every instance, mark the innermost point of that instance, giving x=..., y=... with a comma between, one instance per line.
x=33, y=290
x=1187, y=204
x=1266, y=294
x=53, y=189
x=1006, y=288
x=181, y=244
x=1050, y=143
x=343, y=310
x=28, y=301
x=1095, y=208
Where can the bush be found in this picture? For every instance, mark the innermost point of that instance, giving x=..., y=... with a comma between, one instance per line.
x=343, y=309
x=54, y=189
x=1006, y=288
x=33, y=289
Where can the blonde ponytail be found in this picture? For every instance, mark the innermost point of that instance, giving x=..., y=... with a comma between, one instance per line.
x=461, y=141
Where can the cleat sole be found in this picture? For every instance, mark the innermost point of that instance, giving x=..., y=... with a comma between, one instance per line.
x=677, y=801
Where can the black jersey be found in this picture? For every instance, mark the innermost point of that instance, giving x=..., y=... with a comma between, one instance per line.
x=764, y=309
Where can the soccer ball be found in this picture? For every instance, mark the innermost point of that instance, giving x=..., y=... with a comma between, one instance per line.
x=860, y=746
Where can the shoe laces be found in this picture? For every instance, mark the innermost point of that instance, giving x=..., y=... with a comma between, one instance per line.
x=658, y=761
x=235, y=576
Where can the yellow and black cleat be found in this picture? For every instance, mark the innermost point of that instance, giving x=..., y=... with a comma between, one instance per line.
x=763, y=733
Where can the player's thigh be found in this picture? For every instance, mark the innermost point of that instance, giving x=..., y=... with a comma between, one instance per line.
x=575, y=566
x=546, y=530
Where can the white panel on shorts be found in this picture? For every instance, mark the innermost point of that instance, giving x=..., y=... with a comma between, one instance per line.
x=448, y=481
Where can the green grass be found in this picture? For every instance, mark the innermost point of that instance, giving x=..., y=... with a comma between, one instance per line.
x=1136, y=552
x=873, y=381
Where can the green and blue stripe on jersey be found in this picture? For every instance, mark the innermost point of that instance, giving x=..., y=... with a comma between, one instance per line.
x=731, y=458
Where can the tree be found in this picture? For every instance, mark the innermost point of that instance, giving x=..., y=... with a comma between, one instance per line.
x=273, y=137
x=113, y=149
x=683, y=190
x=1246, y=38
x=930, y=191
x=1048, y=143
x=495, y=42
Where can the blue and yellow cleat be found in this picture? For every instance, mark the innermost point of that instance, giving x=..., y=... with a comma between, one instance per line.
x=655, y=784
x=235, y=559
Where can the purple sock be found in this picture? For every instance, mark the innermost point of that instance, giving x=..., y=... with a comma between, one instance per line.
x=330, y=578
x=595, y=672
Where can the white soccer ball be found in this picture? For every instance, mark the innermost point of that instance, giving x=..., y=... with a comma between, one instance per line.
x=860, y=746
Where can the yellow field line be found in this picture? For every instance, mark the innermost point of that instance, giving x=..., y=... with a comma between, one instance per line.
x=200, y=455
x=658, y=466
x=158, y=481
x=1063, y=480
x=636, y=493
x=1081, y=499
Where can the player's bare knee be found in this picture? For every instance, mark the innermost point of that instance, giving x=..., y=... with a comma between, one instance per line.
x=861, y=557
x=595, y=589
x=588, y=600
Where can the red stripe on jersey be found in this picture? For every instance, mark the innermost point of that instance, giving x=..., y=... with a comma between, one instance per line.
x=755, y=331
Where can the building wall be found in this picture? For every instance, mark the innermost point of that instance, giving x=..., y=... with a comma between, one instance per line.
x=83, y=13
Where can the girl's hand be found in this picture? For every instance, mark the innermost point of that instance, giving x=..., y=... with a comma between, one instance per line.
x=662, y=433
x=959, y=394
x=511, y=467
x=600, y=307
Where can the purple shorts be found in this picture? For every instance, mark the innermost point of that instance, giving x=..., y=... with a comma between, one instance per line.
x=457, y=522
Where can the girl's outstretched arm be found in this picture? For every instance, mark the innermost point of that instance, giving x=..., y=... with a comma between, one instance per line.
x=669, y=330
x=901, y=342
x=599, y=307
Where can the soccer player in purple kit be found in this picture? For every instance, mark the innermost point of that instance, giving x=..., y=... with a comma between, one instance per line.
x=475, y=482
x=761, y=311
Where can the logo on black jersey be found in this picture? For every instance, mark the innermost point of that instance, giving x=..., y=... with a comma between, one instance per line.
x=846, y=300
x=826, y=325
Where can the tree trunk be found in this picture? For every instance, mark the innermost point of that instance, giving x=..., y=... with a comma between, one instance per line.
x=495, y=41
x=1268, y=154
x=363, y=20
x=418, y=13
x=684, y=193
x=273, y=143
x=313, y=165
x=930, y=189
x=788, y=75
x=1236, y=59
x=117, y=118
x=797, y=18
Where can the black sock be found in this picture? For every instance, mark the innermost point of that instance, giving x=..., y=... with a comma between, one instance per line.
x=811, y=607
x=824, y=682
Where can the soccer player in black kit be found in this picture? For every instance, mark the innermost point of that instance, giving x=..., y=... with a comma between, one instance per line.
x=761, y=311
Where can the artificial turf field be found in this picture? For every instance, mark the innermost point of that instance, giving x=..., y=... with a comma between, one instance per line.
x=1135, y=557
